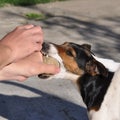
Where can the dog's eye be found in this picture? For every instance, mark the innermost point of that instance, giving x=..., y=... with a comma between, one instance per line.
x=68, y=52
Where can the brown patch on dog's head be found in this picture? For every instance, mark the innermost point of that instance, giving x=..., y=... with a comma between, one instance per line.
x=74, y=56
x=79, y=59
x=68, y=55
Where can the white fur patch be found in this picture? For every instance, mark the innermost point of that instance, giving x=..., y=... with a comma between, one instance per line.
x=111, y=65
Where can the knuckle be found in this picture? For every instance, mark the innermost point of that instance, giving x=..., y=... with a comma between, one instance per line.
x=25, y=32
x=38, y=28
x=18, y=27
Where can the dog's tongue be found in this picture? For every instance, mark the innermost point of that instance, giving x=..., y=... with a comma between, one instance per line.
x=50, y=60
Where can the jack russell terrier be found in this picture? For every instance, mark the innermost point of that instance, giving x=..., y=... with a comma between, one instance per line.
x=98, y=79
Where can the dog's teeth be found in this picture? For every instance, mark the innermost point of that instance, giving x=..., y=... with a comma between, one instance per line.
x=44, y=54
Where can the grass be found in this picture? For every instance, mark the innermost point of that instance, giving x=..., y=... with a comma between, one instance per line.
x=25, y=2
x=35, y=16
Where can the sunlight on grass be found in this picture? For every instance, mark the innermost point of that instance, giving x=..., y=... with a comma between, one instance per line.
x=25, y=2
x=35, y=16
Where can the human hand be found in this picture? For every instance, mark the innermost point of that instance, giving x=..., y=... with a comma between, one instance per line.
x=27, y=67
x=23, y=41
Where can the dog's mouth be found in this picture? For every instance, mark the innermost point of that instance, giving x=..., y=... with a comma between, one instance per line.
x=47, y=59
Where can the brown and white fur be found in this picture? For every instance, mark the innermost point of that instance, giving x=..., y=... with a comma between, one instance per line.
x=97, y=83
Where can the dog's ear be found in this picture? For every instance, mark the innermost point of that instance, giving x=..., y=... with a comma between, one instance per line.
x=86, y=46
x=94, y=67
x=87, y=49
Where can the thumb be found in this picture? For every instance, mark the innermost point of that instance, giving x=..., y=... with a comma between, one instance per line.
x=48, y=68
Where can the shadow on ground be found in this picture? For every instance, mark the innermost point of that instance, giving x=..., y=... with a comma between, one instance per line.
x=105, y=38
x=44, y=107
x=102, y=33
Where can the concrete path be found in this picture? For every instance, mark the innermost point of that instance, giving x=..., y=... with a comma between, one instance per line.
x=81, y=21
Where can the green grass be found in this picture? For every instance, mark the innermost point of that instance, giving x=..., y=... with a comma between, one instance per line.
x=35, y=16
x=25, y=2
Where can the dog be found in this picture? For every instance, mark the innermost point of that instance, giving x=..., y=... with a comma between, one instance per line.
x=97, y=79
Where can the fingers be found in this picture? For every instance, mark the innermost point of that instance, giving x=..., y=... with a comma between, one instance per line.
x=29, y=26
x=37, y=32
x=36, y=47
x=29, y=38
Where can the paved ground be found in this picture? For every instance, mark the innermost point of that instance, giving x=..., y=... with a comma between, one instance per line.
x=81, y=21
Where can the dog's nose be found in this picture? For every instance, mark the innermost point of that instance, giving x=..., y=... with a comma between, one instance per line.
x=45, y=47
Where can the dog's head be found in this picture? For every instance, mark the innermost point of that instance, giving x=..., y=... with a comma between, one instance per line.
x=74, y=59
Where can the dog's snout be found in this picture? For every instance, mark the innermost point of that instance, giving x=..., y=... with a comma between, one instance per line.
x=45, y=47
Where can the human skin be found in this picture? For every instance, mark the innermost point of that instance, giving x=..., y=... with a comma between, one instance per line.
x=20, y=54
x=19, y=43
x=27, y=67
